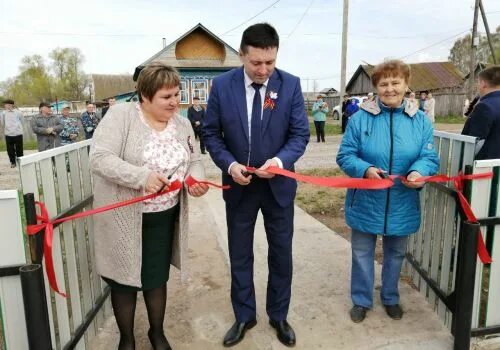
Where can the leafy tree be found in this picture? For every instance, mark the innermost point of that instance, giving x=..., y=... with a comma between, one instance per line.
x=460, y=52
x=70, y=79
x=32, y=85
x=35, y=83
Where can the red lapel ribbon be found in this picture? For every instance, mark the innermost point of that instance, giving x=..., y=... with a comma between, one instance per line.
x=338, y=182
x=48, y=225
x=374, y=184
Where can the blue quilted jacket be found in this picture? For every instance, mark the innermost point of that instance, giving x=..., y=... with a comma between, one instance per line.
x=398, y=140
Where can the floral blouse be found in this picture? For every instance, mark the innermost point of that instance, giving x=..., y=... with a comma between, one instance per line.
x=163, y=153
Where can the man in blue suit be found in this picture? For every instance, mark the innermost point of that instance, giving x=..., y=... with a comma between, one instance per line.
x=256, y=117
x=484, y=120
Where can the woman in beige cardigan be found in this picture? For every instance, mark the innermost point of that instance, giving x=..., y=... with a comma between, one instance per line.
x=139, y=148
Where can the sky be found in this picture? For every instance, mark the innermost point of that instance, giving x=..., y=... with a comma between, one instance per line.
x=116, y=36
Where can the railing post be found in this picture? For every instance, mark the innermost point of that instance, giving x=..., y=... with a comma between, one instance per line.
x=35, y=241
x=35, y=307
x=33, y=287
x=464, y=286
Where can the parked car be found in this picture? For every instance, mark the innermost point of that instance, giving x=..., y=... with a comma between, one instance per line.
x=337, y=110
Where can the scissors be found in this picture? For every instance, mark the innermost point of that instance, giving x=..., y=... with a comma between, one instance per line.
x=171, y=174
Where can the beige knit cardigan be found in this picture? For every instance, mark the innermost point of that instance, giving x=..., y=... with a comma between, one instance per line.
x=117, y=164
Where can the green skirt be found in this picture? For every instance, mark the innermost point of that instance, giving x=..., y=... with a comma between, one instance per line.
x=157, y=236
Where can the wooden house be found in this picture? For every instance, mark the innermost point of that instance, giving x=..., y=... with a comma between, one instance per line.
x=479, y=67
x=328, y=92
x=103, y=86
x=443, y=79
x=199, y=56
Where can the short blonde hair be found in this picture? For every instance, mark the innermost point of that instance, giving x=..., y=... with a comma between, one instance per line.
x=154, y=77
x=392, y=68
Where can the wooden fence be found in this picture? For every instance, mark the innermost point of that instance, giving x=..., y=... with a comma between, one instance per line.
x=449, y=104
x=61, y=178
x=434, y=248
x=434, y=245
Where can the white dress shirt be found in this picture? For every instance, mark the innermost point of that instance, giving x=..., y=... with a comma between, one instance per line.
x=250, y=93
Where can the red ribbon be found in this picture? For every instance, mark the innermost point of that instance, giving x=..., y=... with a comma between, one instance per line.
x=48, y=225
x=376, y=184
x=337, y=182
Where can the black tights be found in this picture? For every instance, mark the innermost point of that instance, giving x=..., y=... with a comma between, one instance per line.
x=124, y=304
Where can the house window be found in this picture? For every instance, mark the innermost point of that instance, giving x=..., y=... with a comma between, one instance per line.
x=184, y=92
x=199, y=89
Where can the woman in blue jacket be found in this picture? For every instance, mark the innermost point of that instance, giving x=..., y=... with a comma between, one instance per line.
x=387, y=136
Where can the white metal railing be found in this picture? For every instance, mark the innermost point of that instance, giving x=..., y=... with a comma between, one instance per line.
x=12, y=253
x=485, y=203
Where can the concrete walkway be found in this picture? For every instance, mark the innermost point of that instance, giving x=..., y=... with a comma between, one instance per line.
x=199, y=311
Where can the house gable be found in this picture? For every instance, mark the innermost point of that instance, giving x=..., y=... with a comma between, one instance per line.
x=200, y=45
x=198, y=48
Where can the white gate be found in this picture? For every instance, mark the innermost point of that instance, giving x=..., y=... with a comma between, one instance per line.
x=12, y=255
x=61, y=179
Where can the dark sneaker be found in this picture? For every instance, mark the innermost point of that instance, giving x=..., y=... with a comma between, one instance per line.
x=358, y=313
x=12, y=165
x=394, y=311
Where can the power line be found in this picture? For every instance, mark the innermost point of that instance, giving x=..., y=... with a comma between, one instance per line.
x=77, y=34
x=300, y=20
x=422, y=35
x=327, y=77
x=439, y=42
x=248, y=20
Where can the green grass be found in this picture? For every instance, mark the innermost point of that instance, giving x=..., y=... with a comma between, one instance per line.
x=28, y=145
x=330, y=129
x=321, y=200
x=450, y=119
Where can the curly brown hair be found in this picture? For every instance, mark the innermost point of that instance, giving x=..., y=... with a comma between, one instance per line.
x=392, y=68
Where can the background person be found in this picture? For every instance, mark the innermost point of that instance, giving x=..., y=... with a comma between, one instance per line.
x=196, y=114
x=12, y=122
x=345, y=103
x=319, y=111
x=111, y=102
x=70, y=129
x=89, y=120
x=484, y=120
x=429, y=107
x=47, y=127
x=421, y=105
x=351, y=108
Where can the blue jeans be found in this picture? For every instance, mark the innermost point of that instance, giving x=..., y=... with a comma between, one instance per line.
x=362, y=274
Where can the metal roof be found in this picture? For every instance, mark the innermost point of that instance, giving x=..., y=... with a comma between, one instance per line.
x=424, y=76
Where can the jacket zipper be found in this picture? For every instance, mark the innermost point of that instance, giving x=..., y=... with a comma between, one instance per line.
x=390, y=171
x=353, y=195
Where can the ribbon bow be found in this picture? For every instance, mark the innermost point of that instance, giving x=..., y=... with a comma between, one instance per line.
x=48, y=225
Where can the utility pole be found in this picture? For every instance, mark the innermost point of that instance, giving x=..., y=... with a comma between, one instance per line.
x=344, y=49
x=474, y=43
x=488, y=34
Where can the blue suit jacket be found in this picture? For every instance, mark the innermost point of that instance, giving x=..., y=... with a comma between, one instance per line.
x=285, y=129
x=484, y=123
